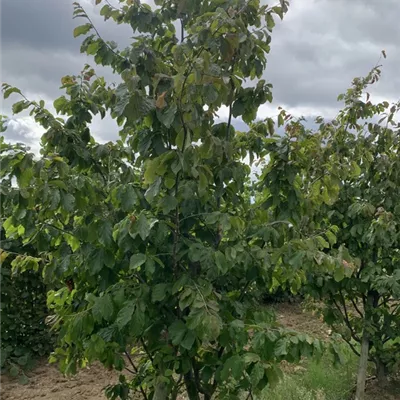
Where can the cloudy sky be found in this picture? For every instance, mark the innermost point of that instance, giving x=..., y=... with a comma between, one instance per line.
x=316, y=51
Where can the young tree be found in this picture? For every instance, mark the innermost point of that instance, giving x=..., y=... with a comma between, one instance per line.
x=343, y=192
x=154, y=234
x=366, y=302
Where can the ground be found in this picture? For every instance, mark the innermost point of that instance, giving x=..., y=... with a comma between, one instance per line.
x=47, y=383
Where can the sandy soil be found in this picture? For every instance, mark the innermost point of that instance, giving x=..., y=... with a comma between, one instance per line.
x=47, y=383
x=292, y=316
x=391, y=392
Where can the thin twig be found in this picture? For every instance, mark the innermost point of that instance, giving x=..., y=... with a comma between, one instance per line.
x=357, y=309
x=347, y=321
x=136, y=371
x=351, y=346
x=101, y=38
x=146, y=350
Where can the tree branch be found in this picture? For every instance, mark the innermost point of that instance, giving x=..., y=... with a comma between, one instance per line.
x=347, y=322
x=357, y=309
x=355, y=351
x=136, y=371
x=146, y=350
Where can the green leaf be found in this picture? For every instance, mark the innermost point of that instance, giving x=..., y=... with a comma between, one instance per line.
x=137, y=260
x=159, y=292
x=168, y=203
x=103, y=308
x=281, y=347
x=9, y=91
x=356, y=170
x=221, y=262
x=128, y=197
x=143, y=226
x=153, y=190
x=338, y=273
x=270, y=21
x=72, y=241
x=322, y=242
x=212, y=326
x=93, y=48
x=22, y=360
x=203, y=183
x=3, y=357
x=250, y=358
x=125, y=314
x=14, y=371
x=25, y=177
x=195, y=317
x=82, y=29
x=257, y=374
x=176, y=332
x=274, y=375
x=167, y=116
x=151, y=169
x=105, y=233
x=234, y=366
x=20, y=106
x=331, y=237
x=188, y=341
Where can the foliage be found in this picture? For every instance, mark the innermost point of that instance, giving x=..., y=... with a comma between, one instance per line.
x=155, y=234
x=343, y=193
x=24, y=334
x=367, y=298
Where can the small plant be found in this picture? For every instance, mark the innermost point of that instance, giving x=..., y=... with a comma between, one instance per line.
x=317, y=380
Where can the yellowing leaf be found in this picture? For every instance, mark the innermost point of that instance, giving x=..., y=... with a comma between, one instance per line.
x=3, y=255
x=160, y=102
x=82, y=29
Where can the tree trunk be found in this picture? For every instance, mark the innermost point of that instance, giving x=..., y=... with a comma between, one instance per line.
x=191, y=387
x=161, y=392
x=381, y=373
x=362, y=368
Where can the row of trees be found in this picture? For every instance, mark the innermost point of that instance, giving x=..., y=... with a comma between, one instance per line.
x=160, y=243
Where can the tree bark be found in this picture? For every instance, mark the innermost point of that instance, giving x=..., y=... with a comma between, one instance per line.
x=381, y=373
x=161, y=392
x=362, y=368
x=191, y=387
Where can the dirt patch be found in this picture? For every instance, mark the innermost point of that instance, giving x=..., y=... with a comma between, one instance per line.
x=391, y=392
x=292, y=316
x=47, y=383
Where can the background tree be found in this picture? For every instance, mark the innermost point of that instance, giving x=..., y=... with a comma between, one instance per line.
x=340, y=188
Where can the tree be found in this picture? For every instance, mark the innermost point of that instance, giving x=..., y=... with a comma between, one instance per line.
x=343, y=192
x=154, y=234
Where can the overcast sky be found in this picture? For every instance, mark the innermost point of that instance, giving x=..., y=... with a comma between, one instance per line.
x=316, y=51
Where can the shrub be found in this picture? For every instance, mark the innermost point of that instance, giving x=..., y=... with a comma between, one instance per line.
x=24, y=334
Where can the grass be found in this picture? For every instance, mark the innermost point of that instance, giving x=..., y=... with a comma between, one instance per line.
x=317, y=381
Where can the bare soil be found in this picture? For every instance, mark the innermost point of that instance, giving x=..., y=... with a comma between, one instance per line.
x=292, y=316
x=390, y=392
x=47, y=383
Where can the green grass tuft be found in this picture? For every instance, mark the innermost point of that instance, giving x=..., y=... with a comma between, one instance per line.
x=317, y=381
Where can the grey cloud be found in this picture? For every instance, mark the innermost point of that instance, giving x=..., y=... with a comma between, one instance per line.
x=38, y=24
x=323, y=44
x=316, y=51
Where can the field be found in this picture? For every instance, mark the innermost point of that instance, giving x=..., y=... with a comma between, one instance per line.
x=308, y=381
